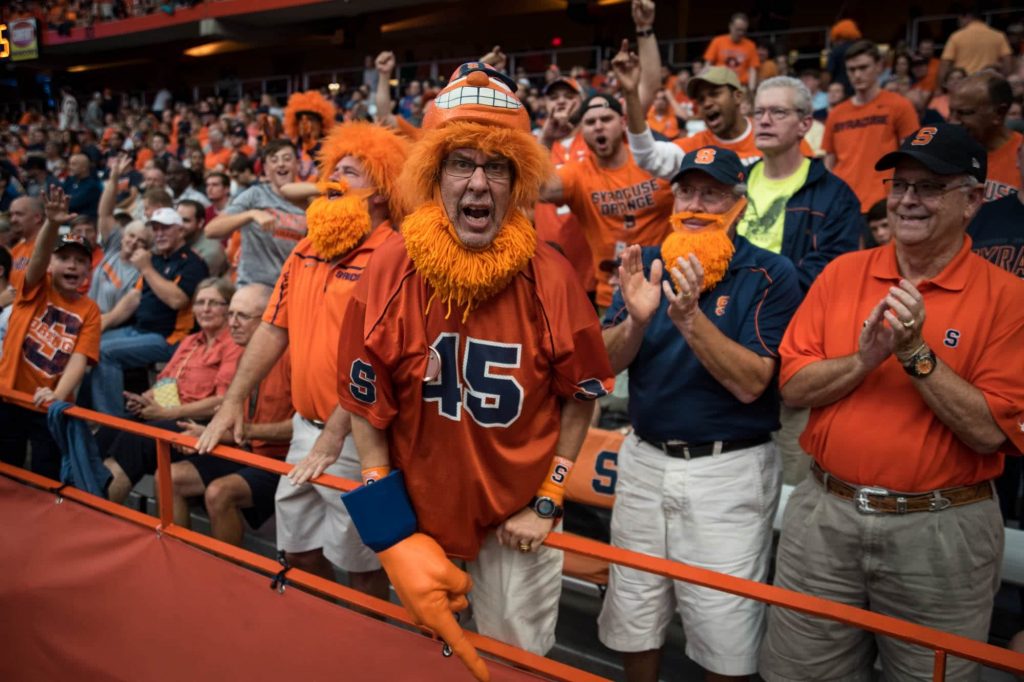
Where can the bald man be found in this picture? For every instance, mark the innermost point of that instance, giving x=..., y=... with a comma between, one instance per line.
x=27, y=218
x=980, y=103
x=82, y=186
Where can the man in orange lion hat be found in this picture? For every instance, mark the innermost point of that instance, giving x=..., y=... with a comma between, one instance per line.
x=308, y=117
x=470, y=363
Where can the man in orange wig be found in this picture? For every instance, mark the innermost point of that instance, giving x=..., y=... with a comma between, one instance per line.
x=350, y=217
x=308, y=117
x=470, y=363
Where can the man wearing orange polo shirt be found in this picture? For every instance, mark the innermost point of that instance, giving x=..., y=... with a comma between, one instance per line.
x=909, y=357
x=347, y=222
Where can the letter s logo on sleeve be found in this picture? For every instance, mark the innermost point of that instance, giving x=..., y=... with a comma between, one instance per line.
x=363, y=386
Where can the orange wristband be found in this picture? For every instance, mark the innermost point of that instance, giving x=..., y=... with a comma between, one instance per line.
x=374, y=474
x=554, y=483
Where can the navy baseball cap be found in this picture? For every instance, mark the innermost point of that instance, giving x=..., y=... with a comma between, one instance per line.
x=599, y=102
x=943, y=148
x=721, y=164
x=73, y=241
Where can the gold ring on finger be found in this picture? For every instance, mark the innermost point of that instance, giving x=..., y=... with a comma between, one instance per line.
x=524, y=547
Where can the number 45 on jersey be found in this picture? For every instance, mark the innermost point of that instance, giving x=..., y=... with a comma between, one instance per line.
x=490, y=399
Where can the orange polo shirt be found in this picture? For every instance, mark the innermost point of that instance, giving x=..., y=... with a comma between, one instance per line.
x=1003, y=174
x=883, y=433
x=308, y=301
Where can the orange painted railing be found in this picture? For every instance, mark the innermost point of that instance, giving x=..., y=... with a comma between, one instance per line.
x=942, y=643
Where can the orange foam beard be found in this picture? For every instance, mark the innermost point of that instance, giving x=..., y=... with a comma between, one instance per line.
x=710, y=244
x=335, y=225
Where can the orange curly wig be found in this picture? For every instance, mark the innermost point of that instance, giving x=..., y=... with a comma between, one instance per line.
x=380, y=150
x=532, y=163
x=311, y=101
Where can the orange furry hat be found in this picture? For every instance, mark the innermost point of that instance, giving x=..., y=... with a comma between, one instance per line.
x=532, y=164
x=313, y=102
x=845, y=29
x=380, y=150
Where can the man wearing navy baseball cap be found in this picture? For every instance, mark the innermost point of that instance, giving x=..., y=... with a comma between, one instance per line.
x=700, y=343
x=909, y=357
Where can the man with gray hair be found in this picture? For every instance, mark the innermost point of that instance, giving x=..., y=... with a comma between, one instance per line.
x=797, y=208
x=909, y=357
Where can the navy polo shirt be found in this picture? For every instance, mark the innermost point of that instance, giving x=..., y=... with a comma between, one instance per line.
x=186, y=270
x=671, y=395
x=83, y=194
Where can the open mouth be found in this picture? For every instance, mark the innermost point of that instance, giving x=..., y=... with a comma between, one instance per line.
x=469, y=94
x=334, y=194
x=477, y=216
x=712, y=118
x=601, y=140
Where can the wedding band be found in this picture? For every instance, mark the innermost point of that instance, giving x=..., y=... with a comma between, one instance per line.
x=907, y=325
x=524, y=547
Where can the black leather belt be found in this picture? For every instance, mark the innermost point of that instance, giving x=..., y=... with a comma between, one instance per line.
x=315, y=423
x=683, y=450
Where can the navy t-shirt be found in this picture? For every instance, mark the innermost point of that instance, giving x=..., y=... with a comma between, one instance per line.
x=997, y=233
x=83, y=194
x=671, y=395
x=186, y=270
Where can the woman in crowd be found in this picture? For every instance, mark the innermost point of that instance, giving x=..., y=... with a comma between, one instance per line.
x=189, y=388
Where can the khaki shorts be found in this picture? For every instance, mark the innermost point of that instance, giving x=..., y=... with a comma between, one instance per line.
x=313, y=517
x=939, y=569
x=715, y=512
x=515, y=594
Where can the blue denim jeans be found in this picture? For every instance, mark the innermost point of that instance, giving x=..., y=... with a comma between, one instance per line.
x=121, y=349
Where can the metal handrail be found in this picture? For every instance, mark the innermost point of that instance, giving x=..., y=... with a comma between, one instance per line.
x=942, y=643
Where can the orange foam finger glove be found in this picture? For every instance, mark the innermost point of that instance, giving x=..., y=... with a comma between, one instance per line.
x=431, y=588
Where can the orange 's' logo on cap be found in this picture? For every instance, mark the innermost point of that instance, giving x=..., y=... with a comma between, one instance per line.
x=924, y=136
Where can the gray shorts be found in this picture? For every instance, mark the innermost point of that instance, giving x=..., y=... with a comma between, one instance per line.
x=311, y=517
x=938, y=569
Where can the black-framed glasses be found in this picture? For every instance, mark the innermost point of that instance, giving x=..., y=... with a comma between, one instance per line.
x=495, y=169
x=926, y=190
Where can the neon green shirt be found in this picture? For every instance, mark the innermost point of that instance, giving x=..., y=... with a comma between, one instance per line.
x=765, y=216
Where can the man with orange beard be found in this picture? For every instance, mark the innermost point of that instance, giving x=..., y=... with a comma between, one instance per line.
x=470, y=361
x=349, y=218
x=308, y=117
x=700, y=342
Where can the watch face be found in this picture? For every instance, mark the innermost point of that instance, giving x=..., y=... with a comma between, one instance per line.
x=924, y=365
x=545, y=507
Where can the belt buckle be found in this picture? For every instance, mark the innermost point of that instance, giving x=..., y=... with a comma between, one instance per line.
x=860, y=497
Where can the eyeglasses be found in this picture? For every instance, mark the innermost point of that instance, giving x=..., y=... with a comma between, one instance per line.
x=774, y=113
x=208, y=303
x=925, y=190
x=242, y=317
x=464, y=168
x=707, y=195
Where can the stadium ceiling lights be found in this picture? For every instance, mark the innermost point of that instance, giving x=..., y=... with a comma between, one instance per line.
x=217, y=47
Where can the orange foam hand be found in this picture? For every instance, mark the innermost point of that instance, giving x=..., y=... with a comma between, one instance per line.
x=431, y=589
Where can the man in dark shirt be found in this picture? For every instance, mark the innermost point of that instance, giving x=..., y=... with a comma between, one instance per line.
x=162, y=315
x=81, y=186
x=997, y=231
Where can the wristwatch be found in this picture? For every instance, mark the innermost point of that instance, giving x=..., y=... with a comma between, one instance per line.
x=546, y=508
x=921, y=363
x=644, y=32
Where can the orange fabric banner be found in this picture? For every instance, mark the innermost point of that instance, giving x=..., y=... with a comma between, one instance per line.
x=90, y=596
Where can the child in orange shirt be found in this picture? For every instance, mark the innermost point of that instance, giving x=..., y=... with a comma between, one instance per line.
x=53, y=334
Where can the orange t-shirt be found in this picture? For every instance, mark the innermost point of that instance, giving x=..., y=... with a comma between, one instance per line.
x=142, y=158
x=743, y=145
x=1003, y=173
x=666, y=125
x=44, y=331
x=557, y=224
x=739, y=57
x=476, y=442
x=273, y=404
x=20, y=255
x=859, y=135
x=883, y=433
x=308, y=301
x=616, y=207
x=217, y=158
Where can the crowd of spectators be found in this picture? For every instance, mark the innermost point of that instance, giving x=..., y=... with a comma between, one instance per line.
x=163, y=209
x=64, y=15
